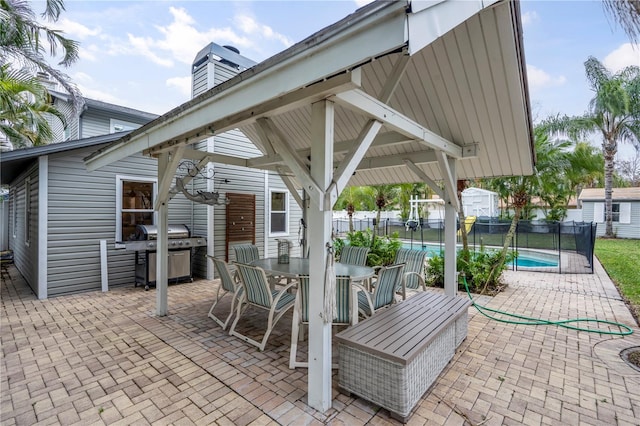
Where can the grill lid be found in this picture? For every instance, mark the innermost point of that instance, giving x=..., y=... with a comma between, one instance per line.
x=150, y=232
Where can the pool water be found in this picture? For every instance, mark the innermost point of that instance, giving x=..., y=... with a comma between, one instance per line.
x=525, y=259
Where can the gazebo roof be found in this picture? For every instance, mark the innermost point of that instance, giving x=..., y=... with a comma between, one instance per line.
x=445, y=80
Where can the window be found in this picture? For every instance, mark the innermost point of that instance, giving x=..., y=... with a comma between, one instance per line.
x=615, y=212
x=27, y=211
x=620, y=212
x=279, y=212
x=121, y=126
x=134, y=205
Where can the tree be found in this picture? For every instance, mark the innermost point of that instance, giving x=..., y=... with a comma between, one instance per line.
x=551, y=163
x=355, y=198
x=24, y=102
x=384, y=194
x=614, y=113
x=629, y=170
x=22, y=42
x=627, y=14
x=24, y=108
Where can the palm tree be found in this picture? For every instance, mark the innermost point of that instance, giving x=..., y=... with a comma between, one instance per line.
x=551, y=163
x=587, y=167
x=627, y=14
x=21, y=42
x=352, y=199
x=614, y=113
x=24, y=108
x=384, y=194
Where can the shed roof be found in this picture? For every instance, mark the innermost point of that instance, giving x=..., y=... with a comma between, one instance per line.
x=619, y=194
x=446, y=79
x=12, y=163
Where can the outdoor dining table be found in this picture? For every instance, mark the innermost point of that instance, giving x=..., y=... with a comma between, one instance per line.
x=300, y=266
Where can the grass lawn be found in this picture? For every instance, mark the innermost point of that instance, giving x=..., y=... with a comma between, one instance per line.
x=621, y=260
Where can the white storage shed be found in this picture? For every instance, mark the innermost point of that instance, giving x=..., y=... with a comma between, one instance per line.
x=480, y=202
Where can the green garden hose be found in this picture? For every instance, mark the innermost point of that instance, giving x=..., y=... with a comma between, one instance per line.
x=625, y=330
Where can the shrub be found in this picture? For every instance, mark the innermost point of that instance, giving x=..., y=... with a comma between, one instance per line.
x=382, y=249
x=476, y=266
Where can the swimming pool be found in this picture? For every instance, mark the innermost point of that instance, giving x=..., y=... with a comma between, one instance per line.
x=526, y=258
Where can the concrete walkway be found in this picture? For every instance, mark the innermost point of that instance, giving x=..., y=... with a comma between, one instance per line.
x=104, y=358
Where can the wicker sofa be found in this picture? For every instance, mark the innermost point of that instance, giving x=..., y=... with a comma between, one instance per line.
x=392, y=358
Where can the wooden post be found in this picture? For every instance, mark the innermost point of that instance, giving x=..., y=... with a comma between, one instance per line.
x=319, y=228
x=162, y=253
x=450, y=247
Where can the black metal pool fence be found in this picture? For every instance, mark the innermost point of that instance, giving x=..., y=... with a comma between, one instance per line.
x=563, y=247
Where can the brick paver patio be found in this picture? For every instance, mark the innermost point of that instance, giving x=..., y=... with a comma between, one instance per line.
x=104, y=358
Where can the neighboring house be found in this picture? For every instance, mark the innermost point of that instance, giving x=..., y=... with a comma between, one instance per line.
x=625, y=207
x=59, y=212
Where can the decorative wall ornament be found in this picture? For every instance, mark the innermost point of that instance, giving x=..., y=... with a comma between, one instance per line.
x=189, y=169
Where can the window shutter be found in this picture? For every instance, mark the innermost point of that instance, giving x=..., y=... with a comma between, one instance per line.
x=625, y=212
x=598, y=212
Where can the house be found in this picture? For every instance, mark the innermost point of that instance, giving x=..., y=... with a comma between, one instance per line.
x=625, y=207
x=58, y=213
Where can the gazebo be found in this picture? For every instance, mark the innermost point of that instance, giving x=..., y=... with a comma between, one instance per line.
x=399, y=91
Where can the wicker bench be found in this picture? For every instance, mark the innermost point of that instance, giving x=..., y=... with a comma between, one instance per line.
x=392, y=358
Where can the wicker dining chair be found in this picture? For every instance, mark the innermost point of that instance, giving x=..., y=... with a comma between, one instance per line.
x=388, y=280
x=228, y=285
x=258, y=293
x=343, y=315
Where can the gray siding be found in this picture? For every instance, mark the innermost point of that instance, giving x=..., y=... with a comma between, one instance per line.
x=82, y=211
x=200, y=80
x=56, y=124
x=25, y=256
x=241, y=180
x=620, y=230
x=295, y=214
x=96, y=122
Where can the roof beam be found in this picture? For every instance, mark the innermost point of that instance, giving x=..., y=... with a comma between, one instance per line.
x=279, y=105
x=450, y=182
x=384, y=139
x=291, y=159
x=394, y=78
x=352, y=159
x=290, y=186
x=423, y=176
x=365, y=104
x=396, y=160
x=164, y=185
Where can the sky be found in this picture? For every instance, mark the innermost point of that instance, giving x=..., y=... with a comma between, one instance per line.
x=139, y=53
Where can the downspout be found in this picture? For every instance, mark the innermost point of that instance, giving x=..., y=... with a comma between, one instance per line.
x=43, y=229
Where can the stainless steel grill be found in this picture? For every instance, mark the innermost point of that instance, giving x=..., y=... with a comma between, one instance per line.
x=179, y=258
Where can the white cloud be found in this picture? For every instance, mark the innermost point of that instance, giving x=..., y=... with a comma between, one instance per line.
x=76, y=30
x=90, y=53
x=81, y=77
x=145, y=46
x=539, y=79
x=361, y=3
x=183, y=84
x=99, y=95
x=250, y=26
x=529, y=18
x=184, y=41
x=625, y=55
